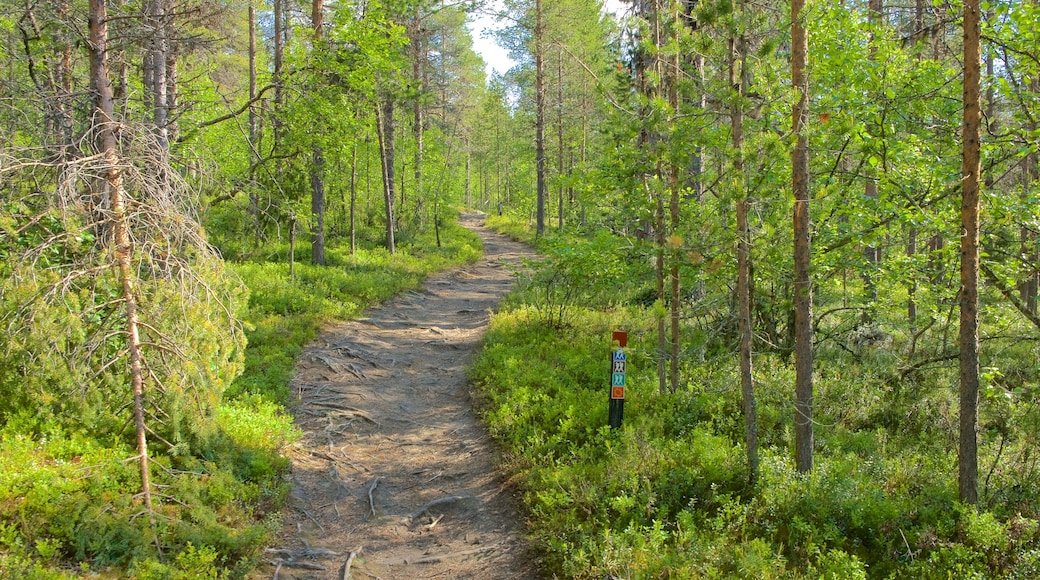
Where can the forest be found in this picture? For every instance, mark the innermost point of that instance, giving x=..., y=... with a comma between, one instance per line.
x=817, y=221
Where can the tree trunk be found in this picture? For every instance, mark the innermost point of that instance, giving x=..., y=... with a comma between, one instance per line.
x=353, y=199
x=469, y=174
x=675, y=304
x=418, y=130
x=803, y=323
x=539, y=131
x=385, y=132
x=911, y=288
x=559, y=137
x=155, y=66
x=738, y=46
x=65, y=100
x=111, y=190
x=317, y=18
x=871, y=254
x=317, y=206
x=911, y=243
x=967, y=472
x=317, y=161
x=278, y=7
x=1030, y=284
x=172, y=92
x=662, y=335
x=254, y=127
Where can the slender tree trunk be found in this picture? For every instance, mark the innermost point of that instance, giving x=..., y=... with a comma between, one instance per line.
x=911, y=288
x=65, y=102
x=155, y=66
x=539, y=131
x=292, y=247
x=469, y=173
x=418, y=54
x=675, y=245
x=172, y=90
x=317, y=18
x=111, y=188
x=353, y=199
x=911, y=243
x=276, y=75
x=803, y=323
x=1030, y=285
x=738, y=47
x=967, y=472
x=317, y=160
x=317, y=206
x=385, y=131
x=254, y=131
x=871, y=254
x=559, y=137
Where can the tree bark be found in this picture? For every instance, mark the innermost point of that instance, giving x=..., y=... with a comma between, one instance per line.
x=172, y=90
x=539, y=131
x=418, y=129
x=675, y=304
x=385, y=132
x=737, y=45
x=317, y=206
x=155, y=66
x=64, y=86
x=317, y=160
x=803, y=323
x=353, y=199
x=871, y=253
x=1030, y=284
x=278, y=7
x=967, y=471
x=559, y=137
x=111, y=190
x=254, y=132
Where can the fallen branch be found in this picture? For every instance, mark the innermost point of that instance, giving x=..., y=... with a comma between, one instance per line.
x=443, y=557
x=304, y=565
x=308, y=552
x=344, y=572
x=371, y=490
x=337, y=407
x=435, y=521
x=437, y=502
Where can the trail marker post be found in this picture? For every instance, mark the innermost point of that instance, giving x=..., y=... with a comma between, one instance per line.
x=616, y=411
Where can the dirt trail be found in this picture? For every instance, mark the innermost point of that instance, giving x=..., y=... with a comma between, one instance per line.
x=395, y=476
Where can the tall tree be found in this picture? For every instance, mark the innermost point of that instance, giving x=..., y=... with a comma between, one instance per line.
x=967, y=471
x=317, y=173
x=737, y=56
x=155, y=59
x=539, y=131
x=872, y=252
x=385, y=132
x=803, y=322
x=112, y=199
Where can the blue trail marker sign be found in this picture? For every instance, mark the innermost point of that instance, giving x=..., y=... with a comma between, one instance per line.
x=618, y=362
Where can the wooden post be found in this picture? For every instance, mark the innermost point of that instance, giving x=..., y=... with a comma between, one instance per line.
x=616, y=411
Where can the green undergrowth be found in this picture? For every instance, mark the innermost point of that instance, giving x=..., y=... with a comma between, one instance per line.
x=68, y=493
x=511, y=226
x=666, y=496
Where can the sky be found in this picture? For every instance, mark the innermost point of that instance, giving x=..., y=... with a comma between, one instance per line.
x=497, y=58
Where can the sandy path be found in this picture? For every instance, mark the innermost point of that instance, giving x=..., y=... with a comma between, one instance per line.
x=394, y=467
